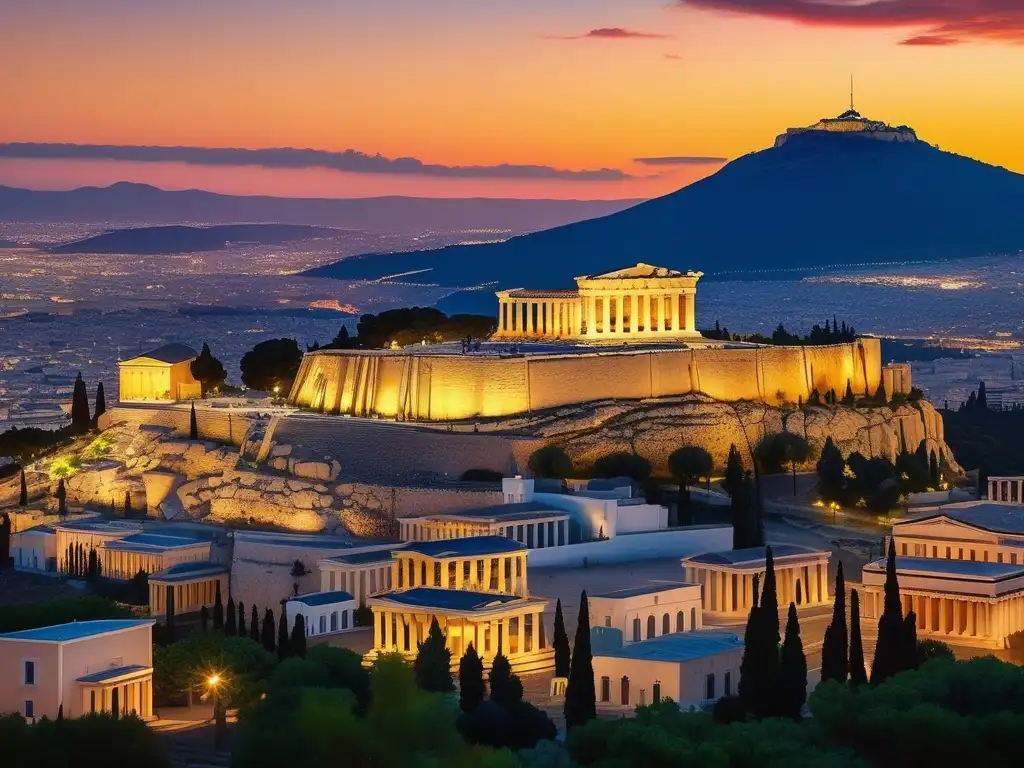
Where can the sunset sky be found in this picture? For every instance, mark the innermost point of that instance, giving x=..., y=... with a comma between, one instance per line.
x=497, y=98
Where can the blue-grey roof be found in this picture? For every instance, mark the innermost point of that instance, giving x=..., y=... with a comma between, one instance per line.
x=524, y=510
x=645, y=589
x=152, y=541
x=171, y=353
x=187, y=571
x=45, y=529
x=468, y=547
x=112, y=673
x=99, y=525
x=447, y=599
x=76, y=630
x=998, y=518
x=679, y=646
x=309, y=540
x=323, y=598
x=365, y=558
x=940, y=566
x=751, y=554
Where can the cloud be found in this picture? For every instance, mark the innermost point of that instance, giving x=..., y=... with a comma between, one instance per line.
x=673, y=57
x=933, y=40
x=611, y=33
x=349, y=161
x=945, y=20
x=681, y=160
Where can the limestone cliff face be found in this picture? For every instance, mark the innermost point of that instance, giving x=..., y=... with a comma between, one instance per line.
x=654, y=429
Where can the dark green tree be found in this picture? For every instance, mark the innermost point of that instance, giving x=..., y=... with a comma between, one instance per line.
x=471, y=680
x=101, y=402
x=506, y=687
x=749, y=686
x=623, y=464
x=834, y=652
x=231, y=618
x=92, y=572
x=193, y=424
x=5, y=541
x=848, y=398
x=23, y=494
x=254, y=625
x=580, y=697
x=881, y=398
x=891, y=646
x=433, y=663
x=297, y=640
x=551, y=461
x=169, y=625
x=204, y=618
x=792, y=670
x=759, y=673
x=733, y=482
x=62, y=498
x=240, y=627
x=208, y=371
x=688, y=465
x=933, y=470
x=858, y=672
x=283, y=651
x=831, y=472
x=271, y=365
x=218, y=609
x=981, y=402
x=748, y=530
x=81, y=420
x=267, y=632
x=128, y=512
x=910, y=640
x=561, y=644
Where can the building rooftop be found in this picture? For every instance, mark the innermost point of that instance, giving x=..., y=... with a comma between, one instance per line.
x=467, y=547
x=365, y=558
x=990, y=516
x=188, y=571
x=49, y=530
x=168, y=353
x=76, y=630
x=100, y=526
x=645, y=589
x=523, y=510
x=309, y=540
x=679, y=646
x=751, y=555
x=323, y=598
x=973, y=569
x=151, y=542
x=113, y=673
x=447, y=599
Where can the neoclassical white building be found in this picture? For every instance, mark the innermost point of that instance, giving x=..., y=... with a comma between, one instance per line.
x=641, y=302
x=961, y=570
x=649, y=610
x=727, y=578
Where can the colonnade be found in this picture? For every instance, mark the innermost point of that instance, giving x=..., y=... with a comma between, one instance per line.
x=1009, y=489
x=731, y=590
x=535, y=534
x=980, y=621
x=548, y=317
x=131, y=696
x=504, y=574
x=515, y=634
x=360, y=581
x=648, y=313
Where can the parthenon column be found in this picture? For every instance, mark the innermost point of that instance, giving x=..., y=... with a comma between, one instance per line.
x=675, y=311
x=529, y=318
x=605, y=314
x=691, y=323
x=591, y=315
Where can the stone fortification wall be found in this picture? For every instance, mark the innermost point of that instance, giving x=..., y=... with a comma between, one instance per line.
x=213, y=425
x=451, y=387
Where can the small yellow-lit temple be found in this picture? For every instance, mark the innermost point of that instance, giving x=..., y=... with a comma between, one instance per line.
x=164, y=373
x=642, y=302
x=628, y=334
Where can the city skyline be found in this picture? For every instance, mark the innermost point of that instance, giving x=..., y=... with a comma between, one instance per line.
x=564, y=99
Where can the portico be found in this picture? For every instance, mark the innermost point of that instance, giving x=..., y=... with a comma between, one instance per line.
x=727, y=578
x=643, y=302
x=482, y=564
x=1006, y=489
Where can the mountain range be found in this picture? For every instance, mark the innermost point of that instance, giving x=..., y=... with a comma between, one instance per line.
x=128, y=203
x=820, y=200
x=182, y=239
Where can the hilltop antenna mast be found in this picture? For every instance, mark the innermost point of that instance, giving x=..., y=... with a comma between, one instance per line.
x=851, y=93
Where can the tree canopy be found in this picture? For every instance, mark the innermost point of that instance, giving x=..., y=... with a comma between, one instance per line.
x=208, y=371
x=551, y=461
x=272, y=363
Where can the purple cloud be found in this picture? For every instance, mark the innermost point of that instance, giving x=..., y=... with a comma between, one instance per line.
x=611, y=33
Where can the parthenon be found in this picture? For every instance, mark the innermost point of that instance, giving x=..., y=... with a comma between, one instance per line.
x=641, y=302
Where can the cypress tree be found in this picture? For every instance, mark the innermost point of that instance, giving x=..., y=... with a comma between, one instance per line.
x=23, y=496
x=471, y=680
x=506, y=688
x=831, y=470
x=254, y=625
x=62, y=498
x=204, y=617
x=81, y=420
x=748, y=687
x=267, y=634
x=193, y=425
x=240, y=628
x=770, y=599
x=933, y=470
x=561, y=644
x=910, y=641
x=101, y=402
x=170, y=625
x=432, y=666
x=981, y=402
x=890, y=647
x=218, y=609
x=282, y=636
x=580, y=697
x=858, y=673
x=762, y=687
x=792, y=670
x=297, y=641
x=231, y=618
x=881, y=398
x=5, y=542
x=128, y=504
x=848, y=398
x=734, y=472
x=834, y=659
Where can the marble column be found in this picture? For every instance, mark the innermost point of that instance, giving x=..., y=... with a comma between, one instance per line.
x=535, y=633
x=591, y=317
x=675, y=311
x=605, y=315
x=691, y=323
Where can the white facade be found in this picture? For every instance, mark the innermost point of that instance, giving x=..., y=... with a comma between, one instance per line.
x=323, y=613
x=646, y=612
x=34, y=549
x=691, y=668
x=362, y=575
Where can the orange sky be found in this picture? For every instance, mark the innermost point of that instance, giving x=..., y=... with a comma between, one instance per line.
x=466, y=82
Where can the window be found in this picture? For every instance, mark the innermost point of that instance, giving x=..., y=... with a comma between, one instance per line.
x=323, y=624
x=693, y=619
x=728, y=683
x=624, y=691
x=680, y=622
x=657, y=691
x=334, y=621
x=650, y=627
x=344, y=619
x=607, y=621
x=1013, y=558
x=30, y=673
x=636, y=629
x=92, y=701
x=519, y=534
x=949, y=555
x=903, y=548
x=999, y=557
x=935, y=552
x=30, y=709
x=666, y=624
x=972, y=554
x=709, y=687
x=606, y=689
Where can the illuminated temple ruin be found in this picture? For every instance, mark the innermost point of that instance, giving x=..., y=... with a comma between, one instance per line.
x=628, y=334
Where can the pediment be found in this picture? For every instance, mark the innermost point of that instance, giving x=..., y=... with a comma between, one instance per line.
x=640, y=270
x=944, y=528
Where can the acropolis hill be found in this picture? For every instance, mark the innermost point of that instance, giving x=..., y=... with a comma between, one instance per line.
x=628, y=334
